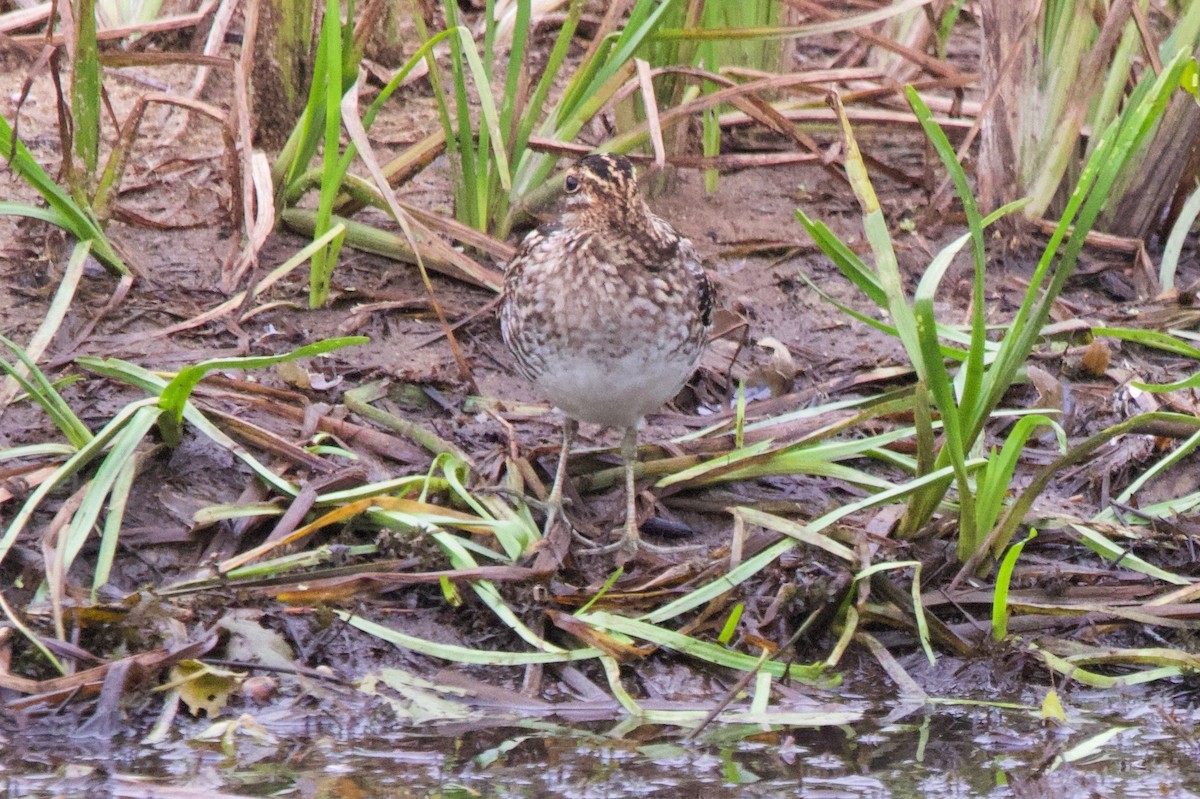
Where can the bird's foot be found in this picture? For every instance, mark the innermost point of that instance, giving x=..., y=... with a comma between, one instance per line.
x=631, y=543
x=557, y=523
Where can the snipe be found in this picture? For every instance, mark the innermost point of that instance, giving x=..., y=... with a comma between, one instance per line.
x=607, y=312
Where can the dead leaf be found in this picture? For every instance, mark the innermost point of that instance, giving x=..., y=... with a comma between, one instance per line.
x=251, y=642
x=779, y=372
x=203, y=687
x=1096, y=357
x=294, y=375
x=1050, y=388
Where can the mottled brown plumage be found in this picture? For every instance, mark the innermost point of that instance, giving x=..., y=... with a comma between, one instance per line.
x=606, y=311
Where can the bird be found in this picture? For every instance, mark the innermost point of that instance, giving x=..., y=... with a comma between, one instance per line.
x=607, y=312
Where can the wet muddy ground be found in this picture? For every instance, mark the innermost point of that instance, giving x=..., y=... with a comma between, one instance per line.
x=941, y=752
x=791, y=347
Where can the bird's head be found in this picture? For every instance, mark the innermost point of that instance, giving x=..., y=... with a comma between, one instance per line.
x=602, y=183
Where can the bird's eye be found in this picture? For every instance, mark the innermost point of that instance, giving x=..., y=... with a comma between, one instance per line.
x=571, y=184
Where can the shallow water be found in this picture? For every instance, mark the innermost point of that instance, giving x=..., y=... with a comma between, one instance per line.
x=1145, y=746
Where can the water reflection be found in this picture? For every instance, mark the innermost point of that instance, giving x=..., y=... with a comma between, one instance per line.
x=945, y=752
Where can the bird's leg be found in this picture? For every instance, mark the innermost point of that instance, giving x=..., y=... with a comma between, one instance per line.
x=631, y=537
x=554, y=503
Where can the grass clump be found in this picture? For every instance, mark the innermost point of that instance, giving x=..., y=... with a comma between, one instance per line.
x=966, y=400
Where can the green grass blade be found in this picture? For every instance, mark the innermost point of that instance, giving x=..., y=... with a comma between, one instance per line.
x=176, y=393
x=713, y=464
x=752, y=566
x=118, y=501
x=1106, y=548
x=1159, y=388
x=487, y=107
x=73, y=465
x=514, y=532
x=1000, y=611
x=918, y=607
x=462, y=654
x=722, y=584
x=293, y=192
x=64, y=211
x=815, y=461
x=694, y=647
x=516, y=58
x=42, y=391
x=460, y=137
x=330, y=81
x=34, y=639
x=305, y=138
x=44, y=450
x=1002, y=534
x=887, y=269
x=460, y=558
x=558, y=55
x=845, y=259
x=85, y=96
x=137, y=376
x=119, y=458
x=1150, y=338
x=973, y=374
x=1177, y=454
x=938, y=381
x=799, y=532
x=50, y=215
x=996, y=478
x=1091, y=193
x=591, y=87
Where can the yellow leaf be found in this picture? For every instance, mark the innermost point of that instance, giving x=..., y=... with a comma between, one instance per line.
x=201, y=688
x=1052, y=709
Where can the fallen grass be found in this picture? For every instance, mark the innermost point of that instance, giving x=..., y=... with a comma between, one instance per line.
x=84, y=206
x=503, y=132
x=116, y=447
x=480, y=538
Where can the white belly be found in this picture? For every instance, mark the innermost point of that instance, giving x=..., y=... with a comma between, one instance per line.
x=614, y=391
